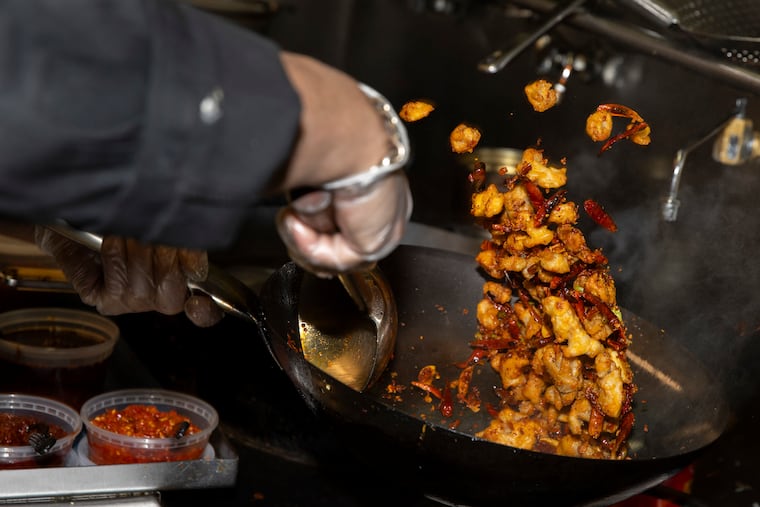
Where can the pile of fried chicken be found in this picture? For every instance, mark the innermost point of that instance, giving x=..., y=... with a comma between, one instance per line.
x=549, y=322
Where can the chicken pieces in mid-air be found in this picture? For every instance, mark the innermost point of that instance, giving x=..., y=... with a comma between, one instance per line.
x=599, y=126
x=541, y=94
x=415, y=110
x=549, y=322
x=464, y=138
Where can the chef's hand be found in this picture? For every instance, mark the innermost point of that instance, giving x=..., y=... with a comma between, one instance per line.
x=342, y=134
x=128, y=277
x=348, y=229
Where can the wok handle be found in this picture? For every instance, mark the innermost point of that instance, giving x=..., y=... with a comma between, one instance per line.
x=229, y=293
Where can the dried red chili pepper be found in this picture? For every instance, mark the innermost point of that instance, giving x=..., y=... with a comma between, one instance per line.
x=611, y=318
x=632, y=130
x=478, y=175
x=561, y=282
x=447, y=403
x=597, y=213
x=428, y=388
x=492, y=411
x=493, y=344
x=536, y=198
x=626, y=425
x=509, y=317
x=475, y=357
x=526, y=301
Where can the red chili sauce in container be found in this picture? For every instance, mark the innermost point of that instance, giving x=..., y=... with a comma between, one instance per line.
x=147, y=425
x=35, y=432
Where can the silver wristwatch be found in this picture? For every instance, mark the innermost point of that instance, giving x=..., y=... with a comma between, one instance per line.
x=398, y=153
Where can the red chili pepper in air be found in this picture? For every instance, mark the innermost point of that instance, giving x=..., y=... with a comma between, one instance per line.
x=551, y=203
x=447, y=403
x=536, y=199
x=478, y=175
x=597, y=213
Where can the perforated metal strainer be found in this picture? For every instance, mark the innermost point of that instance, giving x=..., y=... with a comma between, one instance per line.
x=730, y=28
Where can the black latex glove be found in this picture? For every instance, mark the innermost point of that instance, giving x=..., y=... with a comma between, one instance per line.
x=127, y=276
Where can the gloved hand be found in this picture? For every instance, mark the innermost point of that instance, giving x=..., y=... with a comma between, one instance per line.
x=128, y=277
x=346, y=229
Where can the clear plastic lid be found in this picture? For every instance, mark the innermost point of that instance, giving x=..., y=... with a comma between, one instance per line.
x=56, y=337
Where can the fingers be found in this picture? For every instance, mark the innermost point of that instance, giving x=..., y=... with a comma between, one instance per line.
x=127, y=276
x=373, y=223
x=321, y=253
x=194, y=264
x=139, y=278
x=81, y=265
x=367, y=225
x=202, y=311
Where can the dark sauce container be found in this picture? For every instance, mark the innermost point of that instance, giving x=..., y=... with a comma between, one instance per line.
x=55, y=352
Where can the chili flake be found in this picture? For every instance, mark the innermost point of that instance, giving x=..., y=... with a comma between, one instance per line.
x=144, y=421
x=15, y=429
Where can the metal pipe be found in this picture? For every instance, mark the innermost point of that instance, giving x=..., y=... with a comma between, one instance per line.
x=648, y=43
x=672, y=203
x=499, y=59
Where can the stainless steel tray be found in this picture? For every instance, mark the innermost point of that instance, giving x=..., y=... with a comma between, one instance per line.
x=67, y=482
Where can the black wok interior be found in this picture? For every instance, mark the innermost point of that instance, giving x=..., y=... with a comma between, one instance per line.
x=680, y=408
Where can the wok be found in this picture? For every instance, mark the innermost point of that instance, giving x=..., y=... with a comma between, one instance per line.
x=680, y=409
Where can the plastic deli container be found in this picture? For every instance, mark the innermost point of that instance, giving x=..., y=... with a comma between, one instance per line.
x=35, y=431
x=134, y=413
x=55, y=352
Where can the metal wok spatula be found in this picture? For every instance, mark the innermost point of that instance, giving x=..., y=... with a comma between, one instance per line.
x=350, y=344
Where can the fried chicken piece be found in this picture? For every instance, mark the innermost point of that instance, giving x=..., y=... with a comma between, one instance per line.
x=497, y=264
x=564, y=213
x=568, y=328
x=599, y=125
x=415, y=110
x=464, y=139
x=541, y=95
x=487, y=203
x=640, y=136
x=611, y=394
x=514, y=429
x=554, y=261
x=499, y=292
x=511, y=369
x=541, y=173
x=600, y=284
x=518, y=209
x=575, y=243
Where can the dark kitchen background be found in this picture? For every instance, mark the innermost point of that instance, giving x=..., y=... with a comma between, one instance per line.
x=696, y=277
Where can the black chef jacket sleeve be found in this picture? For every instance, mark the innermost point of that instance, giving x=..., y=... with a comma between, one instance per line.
x=143, y=118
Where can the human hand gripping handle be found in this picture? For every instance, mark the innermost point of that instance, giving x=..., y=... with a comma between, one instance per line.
x=118, y=275
x=348, y=224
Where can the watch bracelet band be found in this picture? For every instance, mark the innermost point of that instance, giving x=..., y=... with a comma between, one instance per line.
x=398, y=154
